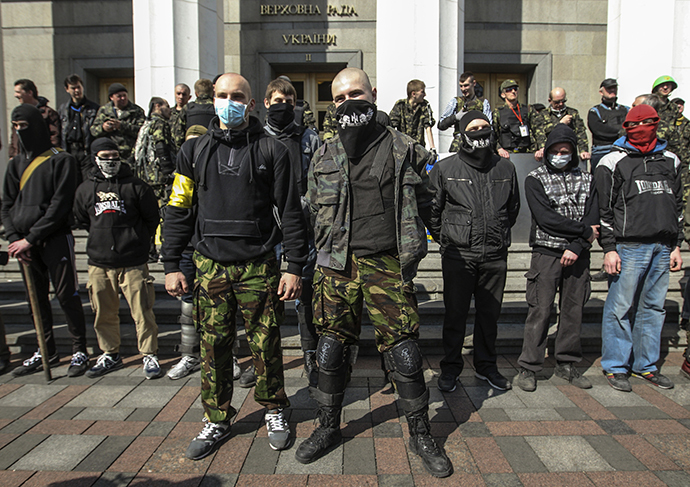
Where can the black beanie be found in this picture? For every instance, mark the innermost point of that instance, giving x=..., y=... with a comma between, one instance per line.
x=470, y=116
x=102, y=143
x=116, y=88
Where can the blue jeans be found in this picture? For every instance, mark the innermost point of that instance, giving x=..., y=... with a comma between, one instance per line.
x=634, y=310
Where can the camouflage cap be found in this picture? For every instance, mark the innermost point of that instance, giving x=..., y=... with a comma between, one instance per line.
x=508, y=84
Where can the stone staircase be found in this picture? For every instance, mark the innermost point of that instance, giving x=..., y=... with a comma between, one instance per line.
x=16, y=315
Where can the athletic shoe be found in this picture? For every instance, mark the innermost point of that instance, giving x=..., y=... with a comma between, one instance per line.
x=248, y=378
x=278, y=430
x=655, y=378
x=526, y=380
x=184, y=367
x=495, y=380
x=79, y=365
x=105, y=364
x=210, y=438
x=570, y=373
x=34, y=364
x=152, y=369
x=618, y=381
x=236, y=370
x=685, y=368
x=447, y=382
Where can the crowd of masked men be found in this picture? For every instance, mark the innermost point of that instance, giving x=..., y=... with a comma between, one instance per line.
x=222, y=198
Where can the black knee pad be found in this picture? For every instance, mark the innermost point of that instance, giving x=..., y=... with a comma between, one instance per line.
x=332, y=359
x=405, y=360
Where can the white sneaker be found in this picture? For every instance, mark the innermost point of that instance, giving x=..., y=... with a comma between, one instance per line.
x=278, y=430
x=236, y=371
x=152, y=369
x=184, y=367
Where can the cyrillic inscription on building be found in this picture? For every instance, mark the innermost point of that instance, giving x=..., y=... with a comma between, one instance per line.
x=305, y=9
x=327, y=39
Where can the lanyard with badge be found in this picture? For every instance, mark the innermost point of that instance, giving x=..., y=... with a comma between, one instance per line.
x=524, y=130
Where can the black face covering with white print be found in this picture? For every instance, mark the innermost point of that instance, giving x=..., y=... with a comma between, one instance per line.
x=357, y=126
x=477, y=145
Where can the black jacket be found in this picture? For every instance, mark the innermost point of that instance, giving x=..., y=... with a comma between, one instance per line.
x=44, y=206
x=69, y=116
x=226, y=186
x=474, y=209
x=640, y=196
x=605, y=123
x=121, y=215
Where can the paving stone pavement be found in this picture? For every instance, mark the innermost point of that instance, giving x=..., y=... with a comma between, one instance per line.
x=121, y=430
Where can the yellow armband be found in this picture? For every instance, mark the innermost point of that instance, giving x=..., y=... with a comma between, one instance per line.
x=182, y=192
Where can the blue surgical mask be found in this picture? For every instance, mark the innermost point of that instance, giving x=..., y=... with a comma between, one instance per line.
x=230, y=113
x=559, y=161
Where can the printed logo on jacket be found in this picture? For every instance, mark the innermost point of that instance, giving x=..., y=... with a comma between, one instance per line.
x=109, y=202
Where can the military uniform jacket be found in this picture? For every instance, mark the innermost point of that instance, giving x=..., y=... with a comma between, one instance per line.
x=506, y=127
x=131, y=119
x=412, y=121
x=329, y=194
x=544, y=122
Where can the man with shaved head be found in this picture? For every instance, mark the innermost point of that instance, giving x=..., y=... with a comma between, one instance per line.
x=368, y=193
x=227, y=184
x=557, y=113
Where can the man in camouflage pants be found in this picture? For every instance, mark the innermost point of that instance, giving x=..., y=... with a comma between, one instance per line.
x=544, y=122
x=368, y=252
x=226, y=185
x=119, y=119
x=413, y=115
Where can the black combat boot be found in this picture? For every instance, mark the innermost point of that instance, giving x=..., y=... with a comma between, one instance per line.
x=325, y=437
x=433, y=457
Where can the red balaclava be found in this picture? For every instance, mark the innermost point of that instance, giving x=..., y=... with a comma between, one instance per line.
x=642, y=137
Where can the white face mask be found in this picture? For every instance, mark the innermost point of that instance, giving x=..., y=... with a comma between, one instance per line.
x=109, y=167
x=560, y=161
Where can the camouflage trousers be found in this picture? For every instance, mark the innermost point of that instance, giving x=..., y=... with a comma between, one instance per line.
x=218, y=291
x=375, y=280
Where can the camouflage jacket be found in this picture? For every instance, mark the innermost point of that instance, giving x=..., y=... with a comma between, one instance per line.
x=328, y=196
x=507, y=132
x=174, y=115
x=544, y=122
x=52, y=119
x=131, y=119
x=412, y=121
x=329, y=129
x=307, y=118
x=672, y=133
x=179, y=127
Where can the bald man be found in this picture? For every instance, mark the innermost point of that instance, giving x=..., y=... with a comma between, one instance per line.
x=227, y=184
x=368, y=252
x=557, y=113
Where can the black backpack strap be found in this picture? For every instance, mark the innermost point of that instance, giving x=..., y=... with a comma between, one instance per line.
x=200, y=157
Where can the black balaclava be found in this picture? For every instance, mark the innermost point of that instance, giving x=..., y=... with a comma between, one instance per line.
x=108, y=167
x=35, y=139
x=357, y=126
x=280, y=115
x=475, y=147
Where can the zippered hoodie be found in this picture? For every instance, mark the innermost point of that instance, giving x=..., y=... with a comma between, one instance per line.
x=226, y=187
x=120, y=214
x=640, y=196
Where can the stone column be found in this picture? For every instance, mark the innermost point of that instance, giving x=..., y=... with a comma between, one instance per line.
x=423, y=41
x=646, y=41
x=175, y=41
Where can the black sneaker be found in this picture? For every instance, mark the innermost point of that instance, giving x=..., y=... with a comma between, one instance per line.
x=526, y=380
x=602, y=275
x=495, y=380
x=210, y=438
x=655, y=378
x=570, y=373
x=248, y=378
x=104, y=365
x=34, y=364
x=79, y=365
x=447, y=382
x=619, y=382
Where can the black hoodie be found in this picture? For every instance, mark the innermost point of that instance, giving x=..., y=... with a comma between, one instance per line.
x=43, y=207
x=563, y=202
x=121, y=215
x=238, y=180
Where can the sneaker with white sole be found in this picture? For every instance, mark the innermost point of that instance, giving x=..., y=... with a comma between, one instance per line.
x=79, y=365
x=208, y=440
x=34, y=364
x=278, y=430
x=152, y=369
x=105, y=364
x=184, y=367
x=236, y=370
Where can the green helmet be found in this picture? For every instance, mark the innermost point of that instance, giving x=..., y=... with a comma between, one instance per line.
x=664, y=79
